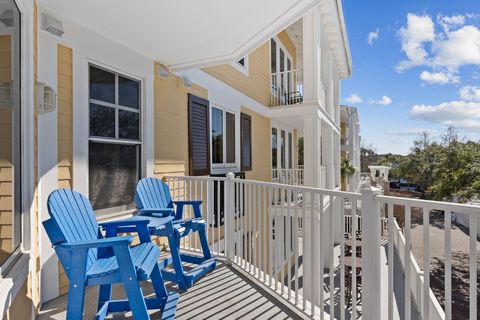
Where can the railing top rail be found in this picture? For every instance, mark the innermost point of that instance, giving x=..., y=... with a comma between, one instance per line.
x=201, y=178
x=286, y=71
x=432, y=205
x=351, y=195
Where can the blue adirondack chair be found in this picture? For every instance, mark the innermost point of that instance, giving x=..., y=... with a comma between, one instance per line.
x=90, y=259
x=154, y=200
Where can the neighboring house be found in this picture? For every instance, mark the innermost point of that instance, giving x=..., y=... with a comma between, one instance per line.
x=95, y=101
x=350, y=140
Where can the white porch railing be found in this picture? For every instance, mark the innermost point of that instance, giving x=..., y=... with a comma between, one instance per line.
x=256, y=225
x=292, y=177
x=287, y=88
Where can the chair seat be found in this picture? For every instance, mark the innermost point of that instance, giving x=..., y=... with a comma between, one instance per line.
x=144, y=256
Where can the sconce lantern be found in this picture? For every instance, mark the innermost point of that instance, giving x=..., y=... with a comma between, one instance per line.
x=46, y=98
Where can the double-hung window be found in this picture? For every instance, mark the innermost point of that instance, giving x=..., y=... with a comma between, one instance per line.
x=115, y=139
x=223, y=137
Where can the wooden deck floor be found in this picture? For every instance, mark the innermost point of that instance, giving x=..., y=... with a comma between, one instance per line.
x=223, y=294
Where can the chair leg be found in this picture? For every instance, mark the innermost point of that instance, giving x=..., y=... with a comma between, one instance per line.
x=204, y=242
x=104, y=294
x=157, y=283
x=76, y=300
x=174, y=245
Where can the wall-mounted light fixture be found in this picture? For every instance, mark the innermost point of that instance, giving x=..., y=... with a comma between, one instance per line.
x=46, y=98
x=162, y=72
x=52, y=25
x=187, y=82
x=6, y=100
x=7, y=18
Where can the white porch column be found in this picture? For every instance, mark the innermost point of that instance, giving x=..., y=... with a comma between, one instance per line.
x=311, y=56
x=312, y=130
x=328, y=149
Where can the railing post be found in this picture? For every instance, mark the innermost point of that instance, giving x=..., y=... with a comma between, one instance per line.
x=230, y=216
x=371, y=295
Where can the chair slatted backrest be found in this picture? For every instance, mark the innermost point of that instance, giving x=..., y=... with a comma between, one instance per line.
x=75, y=219
x=152, y=193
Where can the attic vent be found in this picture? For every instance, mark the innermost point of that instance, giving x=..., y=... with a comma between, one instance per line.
x=7, y=18
x=52, y=26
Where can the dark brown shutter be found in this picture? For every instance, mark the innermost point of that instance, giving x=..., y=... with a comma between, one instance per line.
x=198, y=136
x=246, y=141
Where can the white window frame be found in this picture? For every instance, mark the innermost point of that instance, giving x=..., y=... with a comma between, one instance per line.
x=117, y=107
x=288, y=147
x=224, y=164
x=107, y=212
x=243, y=69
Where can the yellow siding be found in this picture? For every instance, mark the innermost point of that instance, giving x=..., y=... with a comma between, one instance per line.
x=65, y=130
x=261, y=152
x=6, y=167
x=257, y=84
x=171, y=124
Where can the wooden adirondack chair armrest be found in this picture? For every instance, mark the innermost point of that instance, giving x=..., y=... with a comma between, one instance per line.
x=98, y=243
x=196, y=204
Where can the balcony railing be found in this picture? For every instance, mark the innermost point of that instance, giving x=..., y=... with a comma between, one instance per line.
x=291, y=239
x=287, y=88
x=292, y=177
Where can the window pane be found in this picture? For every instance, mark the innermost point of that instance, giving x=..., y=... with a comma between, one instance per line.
x=282, y=149
x=282, y=61
x=230, y=137
x=128, y=92
x=290, y=151
x=10, y=134
x=128, y=125
x=114, y=170
x=102, y=121
x=273, y=56
x=102, y=85
x=274, y=148
x=217, y=135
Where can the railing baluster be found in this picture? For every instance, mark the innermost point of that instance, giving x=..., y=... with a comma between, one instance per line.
x=426, y=263
x=283, y=248
x=473, y=267
x=448, y=265
x=390, y=261
x=250, y=216
x=331, y=254
x=289, y=243
x=408, y=216
x=353, y=269
x=304, y=252
x=342, y=259
x=242, y=224
x=270, y=235
x=296, y=245
x=255, y=230
x=321, y=252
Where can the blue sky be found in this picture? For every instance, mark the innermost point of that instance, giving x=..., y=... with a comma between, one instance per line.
x=416, y=67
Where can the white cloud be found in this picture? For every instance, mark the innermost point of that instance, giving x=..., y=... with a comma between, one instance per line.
x=470, y=93
x=456, y=44
x=372, y=36
x=448, y=22
x=460, y=114
x=461, y=47
x=354, y=99
x=419, y=30
x=411, y=132
x=384, y=101
x=439, y=77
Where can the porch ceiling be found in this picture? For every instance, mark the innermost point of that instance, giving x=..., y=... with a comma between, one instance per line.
x=184, y=34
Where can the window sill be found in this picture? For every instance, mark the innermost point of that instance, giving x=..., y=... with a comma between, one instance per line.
x=12, y=280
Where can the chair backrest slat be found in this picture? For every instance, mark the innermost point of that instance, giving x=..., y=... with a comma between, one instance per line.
x=153, y=193
x=74, y=217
